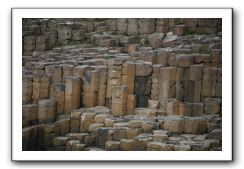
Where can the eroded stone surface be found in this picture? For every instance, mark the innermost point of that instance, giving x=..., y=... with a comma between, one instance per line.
x=122, y=84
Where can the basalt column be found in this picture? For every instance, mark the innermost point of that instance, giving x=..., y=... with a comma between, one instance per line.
x=72, y=93
x=146, y=25
x=209, y=80
x=41, y=85
x=57, y=93
x=46, y=110
x=79, y=71
x=128, y=78
x=26, y=89
x=143, y=83
x=90, y=88
x=122, y=25
x=54, y=72
x=102, y=84
x=195, y=83
x=182, y=77
x=67, y=70
x=167, y=86
x=119, y=100
x=114, y=78
x=155, y=81
x=219, y=83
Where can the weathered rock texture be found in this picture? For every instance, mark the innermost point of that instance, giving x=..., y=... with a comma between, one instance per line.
x=137, y=84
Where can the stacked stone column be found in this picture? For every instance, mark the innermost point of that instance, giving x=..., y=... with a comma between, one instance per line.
x=143, y=83
x=57, y=93
x=114, y=77
x=128, y=79
x=122, y=24
x=209, y=82
x=27, y=89
x=102, y=84
x=54, y=72
x=219, y=83
x=46, y=110
x=182, y=82
x=155, y=82
x=112, y=24
x=146, y=26
x=79, y=71
x=119, y=100
x=41, y=85
x=90, y=88
x=132, y=27
x=162, y=25
x=167, y=86
x=72, y=93
x=195, y=83
x=67, y=70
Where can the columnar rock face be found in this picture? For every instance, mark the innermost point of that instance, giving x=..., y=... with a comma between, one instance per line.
x=128, y=76
x=195, y=83
x=146, y=26
x=167, y=85
x=133, y=26
x=26, y=89
x=49, y=132
x=57, y=93
x=29, y=113
x=209, y=82
x=102, y=85
x=54, y=72
x=41, y=87
x=122, y=25
x=29, y=138
x=46, y=110
x=90, y=88
x=114, y=77
x=119, y=100
x=143, y=83
x=182, y=84
x=155, y=81
x=131, y=104
x=67, y=71
x=127, y=84
x=72, y=93
x=219, y=83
